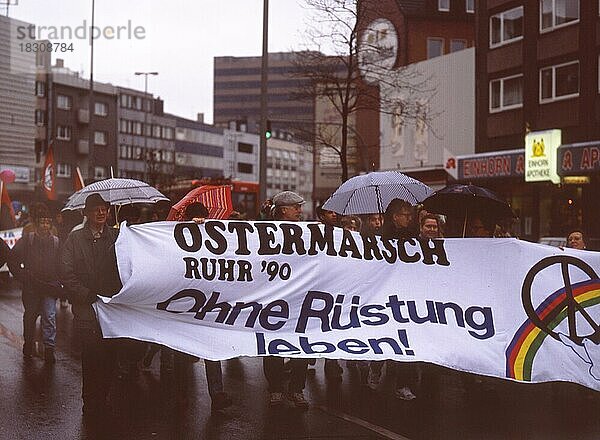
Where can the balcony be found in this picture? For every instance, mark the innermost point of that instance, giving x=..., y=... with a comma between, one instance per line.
x=83, y=147
x=83, y=116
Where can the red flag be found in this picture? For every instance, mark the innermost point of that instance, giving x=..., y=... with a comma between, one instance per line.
x=217, y=200
x=49, y=175
x=6, y=204
x=77, y=180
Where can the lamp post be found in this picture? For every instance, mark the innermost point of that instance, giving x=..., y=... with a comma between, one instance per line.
x=146, y=156
x=262, y=170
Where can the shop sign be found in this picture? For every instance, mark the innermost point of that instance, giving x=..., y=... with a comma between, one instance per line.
x=540, y=156
x=579, y=159
x=491, y=165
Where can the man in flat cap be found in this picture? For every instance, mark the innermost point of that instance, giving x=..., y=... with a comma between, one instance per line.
x=287, y=206
x=89, y=269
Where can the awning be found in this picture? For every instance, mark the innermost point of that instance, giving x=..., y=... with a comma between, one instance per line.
x=579, y=159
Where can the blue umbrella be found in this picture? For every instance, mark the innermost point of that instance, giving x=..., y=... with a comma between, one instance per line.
x=373, y=192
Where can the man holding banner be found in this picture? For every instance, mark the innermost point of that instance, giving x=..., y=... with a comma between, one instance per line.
x=287, y=206
x=89, y=269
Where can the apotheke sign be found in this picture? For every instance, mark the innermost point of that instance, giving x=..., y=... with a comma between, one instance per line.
x=541, y=149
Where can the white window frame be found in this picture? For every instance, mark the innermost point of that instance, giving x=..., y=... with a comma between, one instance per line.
x=470, y=10
x=100, y=109
x=502, y=107
x=554, y=25
x=97, y=140
x=68, y=99
x=63, y=133
x=40, y=89
x=437, y=39
x=100, y=172
x=512, y=40
x=555, y=98
x=63, y=170
x=443, y=8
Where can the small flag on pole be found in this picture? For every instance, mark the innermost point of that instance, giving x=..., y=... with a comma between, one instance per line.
x=49, y=175
x=77, y=180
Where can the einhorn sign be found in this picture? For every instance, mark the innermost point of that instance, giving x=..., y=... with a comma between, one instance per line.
x=541, y=148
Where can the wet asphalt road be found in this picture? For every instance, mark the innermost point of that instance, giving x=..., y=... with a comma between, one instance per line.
x=44, y=403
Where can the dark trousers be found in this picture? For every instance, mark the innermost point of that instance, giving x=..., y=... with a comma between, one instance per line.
x=98, y=361
x=273, y=368
x=406, y=374
x=183, y=370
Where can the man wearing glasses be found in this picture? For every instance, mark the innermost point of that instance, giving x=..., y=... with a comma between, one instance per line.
x=89, y=269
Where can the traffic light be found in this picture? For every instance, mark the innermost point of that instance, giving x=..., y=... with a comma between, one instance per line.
x=268, y=132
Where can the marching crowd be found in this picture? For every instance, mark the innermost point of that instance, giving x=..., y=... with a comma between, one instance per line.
x=51, y=262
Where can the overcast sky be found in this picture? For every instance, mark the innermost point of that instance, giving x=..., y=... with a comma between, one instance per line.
x=181, y=37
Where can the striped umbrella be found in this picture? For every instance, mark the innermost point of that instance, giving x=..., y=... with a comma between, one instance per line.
x=372, y=193
x=217, y=200
x=116, y=191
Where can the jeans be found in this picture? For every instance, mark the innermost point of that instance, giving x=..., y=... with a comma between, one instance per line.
x=36, y=305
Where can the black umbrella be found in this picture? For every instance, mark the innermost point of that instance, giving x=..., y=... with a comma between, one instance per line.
x=459, y=201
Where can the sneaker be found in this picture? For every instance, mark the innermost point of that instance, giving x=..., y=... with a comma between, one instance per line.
x=221, y=401
x=373, y=379
x=49, y=357
x=405, y=393
x=276, y=399
x=298, y=400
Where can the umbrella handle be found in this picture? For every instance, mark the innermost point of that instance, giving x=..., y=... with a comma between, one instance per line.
x=465, y=222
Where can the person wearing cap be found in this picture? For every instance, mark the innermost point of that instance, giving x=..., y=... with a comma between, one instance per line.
x=89, y=269
x=34, y=261
x=287, y=206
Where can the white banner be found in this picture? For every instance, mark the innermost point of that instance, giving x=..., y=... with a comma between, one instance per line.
x=498, y=307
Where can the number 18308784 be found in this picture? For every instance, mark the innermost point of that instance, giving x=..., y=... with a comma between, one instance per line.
x=46, y=47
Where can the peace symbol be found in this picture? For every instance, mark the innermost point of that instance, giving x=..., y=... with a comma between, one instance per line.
x=569, y=302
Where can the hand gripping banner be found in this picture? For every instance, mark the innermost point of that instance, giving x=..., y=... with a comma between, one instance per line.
x=223, y=289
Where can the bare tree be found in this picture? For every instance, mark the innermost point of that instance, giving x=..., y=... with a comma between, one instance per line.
x=350, y=75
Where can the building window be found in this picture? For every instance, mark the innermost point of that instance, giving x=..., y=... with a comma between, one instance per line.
x=100, y=137
x=156, y=131
x=506, y=26
x=470, y=6
x=559, y=82
x=137, y=128
x=558, y=13
x=63, y=170
x=40, y=117
x=443, y=5
x=245, y=168
x=168, y=132
x=63, y=132
x=40, y=89
x=456, y=45
x=244, y=147
x=435, y=47
x=100, y=109
x=64, y=102
x=100, y=173
x=506, y=93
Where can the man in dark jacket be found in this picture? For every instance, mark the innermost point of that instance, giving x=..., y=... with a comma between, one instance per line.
x=89, y=269
x=34, y=261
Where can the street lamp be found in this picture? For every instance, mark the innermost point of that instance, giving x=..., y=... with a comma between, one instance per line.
x=146, y=122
